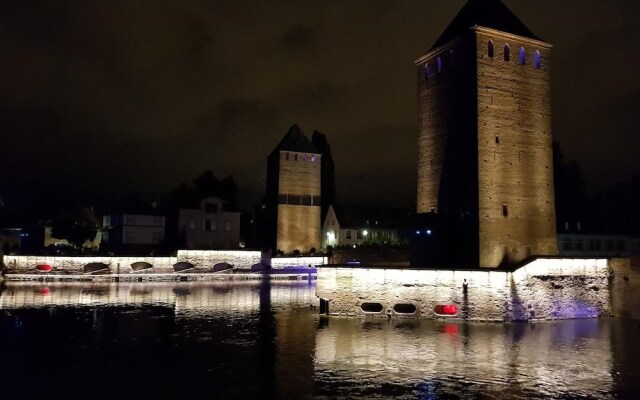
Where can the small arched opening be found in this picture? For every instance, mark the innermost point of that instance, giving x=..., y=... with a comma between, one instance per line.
x=522, y=56
x=506, y=52
x=537, y=62
x=490, y=49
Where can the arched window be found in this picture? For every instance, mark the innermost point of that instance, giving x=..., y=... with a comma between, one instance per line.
x=522, y=56
x=490, y=49
x=427, y=72
x=507, y=54
x=439, y=64
x=536, y=60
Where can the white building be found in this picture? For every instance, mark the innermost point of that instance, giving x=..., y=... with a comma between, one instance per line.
x=211, y=226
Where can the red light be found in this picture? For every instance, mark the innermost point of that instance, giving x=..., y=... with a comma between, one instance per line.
x=446, y=309
x=451, y=329
x=44, y=268
x=44, y=291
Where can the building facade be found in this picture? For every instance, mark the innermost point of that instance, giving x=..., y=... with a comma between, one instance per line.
x=210, y=226
x=293, y=194
x=133, y=232
x=484, y=141
x=353, y=226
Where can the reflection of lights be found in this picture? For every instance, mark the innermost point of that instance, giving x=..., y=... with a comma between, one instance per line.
x=451, y=329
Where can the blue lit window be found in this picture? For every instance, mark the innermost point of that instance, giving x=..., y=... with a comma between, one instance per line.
x=536, y=60
x=427, y=72
x=522, y=56
x=439, y=64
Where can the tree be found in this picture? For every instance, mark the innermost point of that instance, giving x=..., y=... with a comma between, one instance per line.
x=207, y=185
x=327, y=168
x=77, y=225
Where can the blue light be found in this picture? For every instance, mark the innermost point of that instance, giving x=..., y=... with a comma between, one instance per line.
x=428, y=231
x=417, y=232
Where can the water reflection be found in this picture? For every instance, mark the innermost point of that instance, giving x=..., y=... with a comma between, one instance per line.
x=556, y=359
x=266, y=340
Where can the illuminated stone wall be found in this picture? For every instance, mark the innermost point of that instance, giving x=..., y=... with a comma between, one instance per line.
x=625, y=286
x=297, y=262
x=298, y=228
x=203, y=260
x=514, y=150
x=543, y=289
x=485, y=146
x=298, y=221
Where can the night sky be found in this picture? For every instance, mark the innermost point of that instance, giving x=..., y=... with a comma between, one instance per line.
x=112, y=97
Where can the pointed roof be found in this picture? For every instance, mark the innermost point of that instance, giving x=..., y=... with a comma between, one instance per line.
x=487, y=13
x=295, y=140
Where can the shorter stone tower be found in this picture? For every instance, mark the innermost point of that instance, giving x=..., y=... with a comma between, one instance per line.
x=293, y=194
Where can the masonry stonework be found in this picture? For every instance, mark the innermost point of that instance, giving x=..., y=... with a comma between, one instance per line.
x=543, y=289
x=484, y=141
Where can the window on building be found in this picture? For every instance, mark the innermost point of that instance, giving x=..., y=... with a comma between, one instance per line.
x=621, y=245
x=427, y=72
x=192, y=224
x=157, y=237
x=439, y=64
x=506, y=52
x=130, y=237
x=295, y=157
x=579, y=244
x=497, y=139
x=214, y=225
x=358, y=234
x=348, y=233
x=505, y=210
x=210, y=208
x=207, y=224
x=536, y=60
x=594, y=244
x=304, y=157
x=566, y=225
x=286, y=156
x=490, y=49
x=313, y=158
x=522, y=56
x=227, y=226
x=567, y=244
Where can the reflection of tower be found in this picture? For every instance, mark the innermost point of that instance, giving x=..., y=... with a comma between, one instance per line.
x=484, y=142
x=293, y=194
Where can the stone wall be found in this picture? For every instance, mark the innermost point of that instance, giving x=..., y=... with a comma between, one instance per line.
x=298, y=228
x=297, y=262
x=543, y=289
x=515, y=171
x=203, y=260
x=625, y=287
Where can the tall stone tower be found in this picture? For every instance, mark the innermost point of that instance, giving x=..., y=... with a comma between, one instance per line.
x=293, y=194
x=484, y=141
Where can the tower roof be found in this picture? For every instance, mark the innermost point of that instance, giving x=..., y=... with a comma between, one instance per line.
x=295, y=140
x=488, y=13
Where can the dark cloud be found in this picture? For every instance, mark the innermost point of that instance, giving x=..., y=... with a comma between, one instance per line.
x=298, y=37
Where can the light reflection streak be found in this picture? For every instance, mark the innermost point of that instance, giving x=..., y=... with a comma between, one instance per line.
x=189, y=299
x=516, y=360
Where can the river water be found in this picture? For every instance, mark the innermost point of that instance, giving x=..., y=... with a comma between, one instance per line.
x=265, y=340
